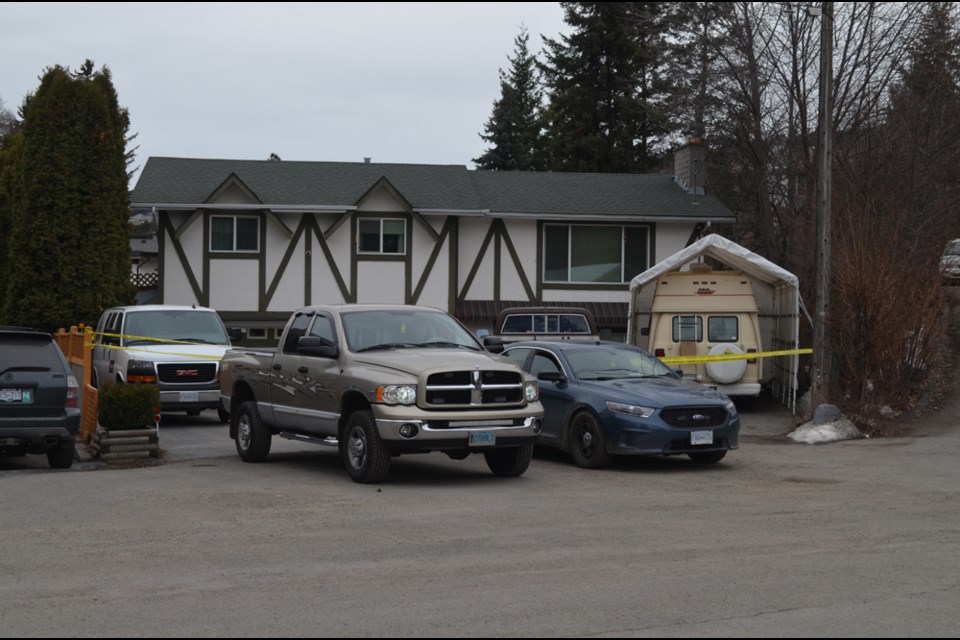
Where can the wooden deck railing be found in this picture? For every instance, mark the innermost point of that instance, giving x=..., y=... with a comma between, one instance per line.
x=73, y=344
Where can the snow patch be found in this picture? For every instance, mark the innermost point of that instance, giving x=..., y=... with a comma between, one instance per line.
x=810, y=433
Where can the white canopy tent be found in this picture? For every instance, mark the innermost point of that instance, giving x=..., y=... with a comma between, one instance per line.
x=776, y=290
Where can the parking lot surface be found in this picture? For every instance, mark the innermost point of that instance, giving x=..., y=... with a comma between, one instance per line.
x=858, y=538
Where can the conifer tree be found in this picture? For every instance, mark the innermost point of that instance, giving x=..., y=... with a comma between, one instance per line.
x=513, y=130
x=66, y=194
x=607, y=92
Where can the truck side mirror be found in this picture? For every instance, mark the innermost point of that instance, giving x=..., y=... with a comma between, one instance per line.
x=317, y=347
x=493, y=344
x=235, y=334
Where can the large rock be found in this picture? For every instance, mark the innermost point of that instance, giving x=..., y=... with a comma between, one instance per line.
x=826, y=414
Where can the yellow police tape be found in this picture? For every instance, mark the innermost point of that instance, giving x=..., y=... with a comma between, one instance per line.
x=149, y=339
x=724, y=357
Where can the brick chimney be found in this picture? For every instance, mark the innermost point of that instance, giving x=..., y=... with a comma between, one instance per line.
x=689, y=162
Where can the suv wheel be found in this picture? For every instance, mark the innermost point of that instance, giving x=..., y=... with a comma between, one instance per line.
x=62, y=455
x=364, y=455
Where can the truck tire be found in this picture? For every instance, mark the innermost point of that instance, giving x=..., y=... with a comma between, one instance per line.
x=364, y=455
x=587, y=445
x=253, y=438
x=62, y=455
x=509, y=462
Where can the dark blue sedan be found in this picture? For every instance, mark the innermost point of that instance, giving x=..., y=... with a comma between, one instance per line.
x=606, y=399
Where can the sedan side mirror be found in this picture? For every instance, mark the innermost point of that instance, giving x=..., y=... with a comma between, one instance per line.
x=552, y=376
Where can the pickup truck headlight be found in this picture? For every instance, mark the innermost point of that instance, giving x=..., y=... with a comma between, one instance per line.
x=141, y=371
x=630, y=409
x=397, y=394
x=531, y=391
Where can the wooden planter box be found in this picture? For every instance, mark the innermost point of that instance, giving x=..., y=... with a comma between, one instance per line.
x=127, y=444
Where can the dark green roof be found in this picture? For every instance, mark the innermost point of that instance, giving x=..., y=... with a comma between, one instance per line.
x=190, y=181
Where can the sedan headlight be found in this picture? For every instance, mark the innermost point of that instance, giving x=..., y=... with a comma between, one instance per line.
x=397, y=394
x=630, y=409
x=731, y=408
x=531, y=391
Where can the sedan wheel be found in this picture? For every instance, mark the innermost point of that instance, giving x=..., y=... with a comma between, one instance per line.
x=587, y=445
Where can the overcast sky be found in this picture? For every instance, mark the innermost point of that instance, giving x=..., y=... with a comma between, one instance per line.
x=334, y=81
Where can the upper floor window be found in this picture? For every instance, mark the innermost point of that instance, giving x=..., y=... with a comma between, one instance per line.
x=382, y=235
x=594, y=254
x=235, y=233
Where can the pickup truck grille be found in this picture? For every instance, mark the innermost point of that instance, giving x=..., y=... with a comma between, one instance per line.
x=694, y=417
x=187, y=372
x=474, y=389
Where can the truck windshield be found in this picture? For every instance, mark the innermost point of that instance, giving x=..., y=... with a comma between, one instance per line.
x=405, y=328
x=186, y=325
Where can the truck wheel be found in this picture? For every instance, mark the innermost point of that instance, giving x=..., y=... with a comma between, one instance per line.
x=253, y=439
x=509, y=462
x=61, y=456
x=587, y=446
x=364, y=455
x=707, y=457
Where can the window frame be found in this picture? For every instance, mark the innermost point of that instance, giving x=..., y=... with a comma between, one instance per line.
x=380, y=251
x=233, y=236
x=624, y=228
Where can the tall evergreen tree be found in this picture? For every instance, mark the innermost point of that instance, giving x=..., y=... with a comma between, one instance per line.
x=513, y=130
x=68, y=251
x=606, y=88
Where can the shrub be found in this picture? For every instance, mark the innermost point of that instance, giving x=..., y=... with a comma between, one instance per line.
x=127, y=406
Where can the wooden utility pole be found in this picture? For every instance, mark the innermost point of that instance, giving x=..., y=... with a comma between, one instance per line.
x=820, y=380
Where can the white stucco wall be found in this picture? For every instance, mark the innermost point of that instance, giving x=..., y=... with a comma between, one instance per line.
x=523, y=235
x=381, y=200
x=472, y=233
x=290, y=291
x=234, y=285
x=435, y=292
x=381, y=282
x=671, y=237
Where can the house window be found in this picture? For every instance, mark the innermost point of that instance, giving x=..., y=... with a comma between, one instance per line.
x=235, y=233
x=382, y=235
x=594, y=254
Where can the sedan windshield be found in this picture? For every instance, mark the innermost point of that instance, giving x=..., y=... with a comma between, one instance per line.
x=405, y=328
x=610, y=363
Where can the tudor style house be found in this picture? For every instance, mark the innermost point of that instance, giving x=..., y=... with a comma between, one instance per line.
x=258, y=239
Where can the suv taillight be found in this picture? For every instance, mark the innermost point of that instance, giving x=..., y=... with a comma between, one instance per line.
x=73, y=392
x=659, y=353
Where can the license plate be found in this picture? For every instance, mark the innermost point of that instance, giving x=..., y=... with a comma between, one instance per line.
x=189, y=396
x=17, y=396
x=481, y=438
x=701, y=437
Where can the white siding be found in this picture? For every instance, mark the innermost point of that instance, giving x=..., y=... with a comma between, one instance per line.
x=671, y=237
x=290, y=291
x=422, y=244
x=381, y=200
x=381, y=282
x=472, y=233
x=523, y=235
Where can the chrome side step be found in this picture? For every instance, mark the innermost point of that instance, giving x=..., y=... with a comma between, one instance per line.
x=329, y=441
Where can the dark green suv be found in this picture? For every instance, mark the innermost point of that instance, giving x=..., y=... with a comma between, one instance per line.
x=39, y=397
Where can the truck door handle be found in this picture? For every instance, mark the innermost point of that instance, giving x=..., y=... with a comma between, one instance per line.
x=302, y=369
x=277, y=367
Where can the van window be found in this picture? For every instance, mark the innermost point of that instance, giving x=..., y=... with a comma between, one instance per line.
x=687, y=329
x=723, y=329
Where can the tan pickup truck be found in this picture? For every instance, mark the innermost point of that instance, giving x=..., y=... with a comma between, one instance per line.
x=378, y=381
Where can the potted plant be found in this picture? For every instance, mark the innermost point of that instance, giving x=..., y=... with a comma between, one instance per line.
x=125, y=413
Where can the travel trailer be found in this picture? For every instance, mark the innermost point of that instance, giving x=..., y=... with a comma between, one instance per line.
x=702, y=312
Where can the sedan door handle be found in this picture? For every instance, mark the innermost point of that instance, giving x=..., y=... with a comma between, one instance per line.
x=302, y=369
x=277, y=367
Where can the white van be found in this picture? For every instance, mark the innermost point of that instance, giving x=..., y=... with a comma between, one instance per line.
x=178, y=348
x=703, y=312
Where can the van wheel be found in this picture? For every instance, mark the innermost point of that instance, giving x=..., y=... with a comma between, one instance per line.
x=253, y=438
x=707, y=457
x=509, y=462
x=587, y=445
x=364, y=455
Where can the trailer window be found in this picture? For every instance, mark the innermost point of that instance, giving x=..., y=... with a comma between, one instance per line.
x=687, y=329
x=723, y=329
